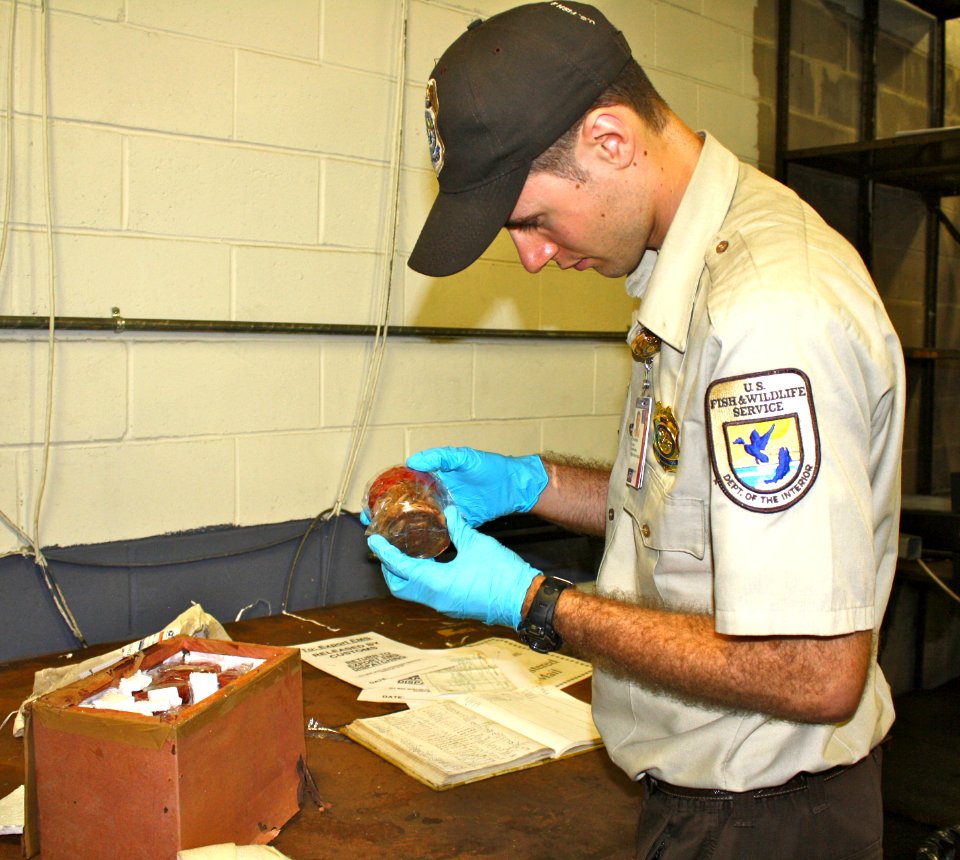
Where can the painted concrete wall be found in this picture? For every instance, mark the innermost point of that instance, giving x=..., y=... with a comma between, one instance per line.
x=232, y=160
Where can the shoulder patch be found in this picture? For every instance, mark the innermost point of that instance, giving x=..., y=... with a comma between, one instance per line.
x=763, y=438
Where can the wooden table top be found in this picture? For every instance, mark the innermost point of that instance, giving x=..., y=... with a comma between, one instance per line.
x=579, y=807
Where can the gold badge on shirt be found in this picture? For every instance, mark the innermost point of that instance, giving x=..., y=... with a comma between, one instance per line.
x=644, y=343
x=666, y=437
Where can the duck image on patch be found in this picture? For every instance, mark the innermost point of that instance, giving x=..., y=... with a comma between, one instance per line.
x=764, y=444
x=769, y=457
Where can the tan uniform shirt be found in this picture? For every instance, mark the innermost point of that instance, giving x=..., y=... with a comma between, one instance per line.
x=786, y=381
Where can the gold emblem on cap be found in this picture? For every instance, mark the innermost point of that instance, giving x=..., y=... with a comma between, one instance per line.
x=666, y=437
x=644, y=344
x=434, y=141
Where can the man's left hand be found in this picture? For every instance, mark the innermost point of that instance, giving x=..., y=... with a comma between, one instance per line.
x=485, y=581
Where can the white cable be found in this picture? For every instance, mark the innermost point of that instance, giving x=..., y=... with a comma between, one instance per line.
x=27, y=548
x=937, y=580
x=367, y=399
x=51, y=275
x=8, y=141
x=371, y=382
x=33, y=540
x=251, y=605
x=5, y=225
x=58, y=598
x=29, y=544
x=311, y=621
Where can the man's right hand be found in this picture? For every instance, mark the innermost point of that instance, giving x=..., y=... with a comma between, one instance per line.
x=484, y=486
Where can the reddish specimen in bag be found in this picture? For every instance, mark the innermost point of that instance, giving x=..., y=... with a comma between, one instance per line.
x=406, y=507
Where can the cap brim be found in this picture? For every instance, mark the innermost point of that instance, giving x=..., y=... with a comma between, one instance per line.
x=462, y=225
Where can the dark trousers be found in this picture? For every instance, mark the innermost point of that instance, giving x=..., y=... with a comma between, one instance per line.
x=834, y=815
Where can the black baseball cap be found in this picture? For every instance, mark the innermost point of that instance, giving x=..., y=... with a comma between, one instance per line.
x=500, y=95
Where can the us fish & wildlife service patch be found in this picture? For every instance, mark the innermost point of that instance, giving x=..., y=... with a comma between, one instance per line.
x=763, y=438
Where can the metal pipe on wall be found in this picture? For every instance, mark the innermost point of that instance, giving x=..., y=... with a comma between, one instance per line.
x=119, y=324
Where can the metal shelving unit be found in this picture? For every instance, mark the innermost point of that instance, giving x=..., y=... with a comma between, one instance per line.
x=925, y=162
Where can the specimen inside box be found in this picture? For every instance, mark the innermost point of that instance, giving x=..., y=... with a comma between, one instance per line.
x=183, y=679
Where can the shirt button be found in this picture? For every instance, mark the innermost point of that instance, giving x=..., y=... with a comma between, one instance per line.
x=645, y=530
x=722, y=246
x=610, y=514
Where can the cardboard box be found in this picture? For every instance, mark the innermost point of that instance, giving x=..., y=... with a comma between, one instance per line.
x=109, y=784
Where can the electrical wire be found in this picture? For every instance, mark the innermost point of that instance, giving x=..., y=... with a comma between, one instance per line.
x=51, y=273
x=5, y=224
x=322, y=516
x=937, y=580
x=8, y=140
x=53, y=587
x=23, y=537
x=371, y=381
x=173, y=562
x=32, y=541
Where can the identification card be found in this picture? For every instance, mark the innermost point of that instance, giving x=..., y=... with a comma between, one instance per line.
x=639, y=438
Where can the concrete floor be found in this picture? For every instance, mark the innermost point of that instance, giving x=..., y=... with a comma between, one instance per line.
x=921, y=770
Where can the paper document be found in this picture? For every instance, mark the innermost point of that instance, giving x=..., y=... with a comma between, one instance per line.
x=457, y=740
x=370, y=659
x=549, y=716
x=230, y=851
x=526, y=667
x=389, y=671
x=471, y=673
x=11, y=812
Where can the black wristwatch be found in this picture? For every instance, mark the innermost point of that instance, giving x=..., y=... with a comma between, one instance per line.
x=536, y=629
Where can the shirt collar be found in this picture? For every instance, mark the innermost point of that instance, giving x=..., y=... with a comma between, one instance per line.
x=666, y=280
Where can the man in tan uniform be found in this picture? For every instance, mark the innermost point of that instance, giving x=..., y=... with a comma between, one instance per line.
x=751, y=516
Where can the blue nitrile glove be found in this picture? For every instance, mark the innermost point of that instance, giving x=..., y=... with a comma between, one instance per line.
x=485, y=581
x=484, y=486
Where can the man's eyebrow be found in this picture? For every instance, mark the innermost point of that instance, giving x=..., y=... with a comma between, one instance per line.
x=527, y=221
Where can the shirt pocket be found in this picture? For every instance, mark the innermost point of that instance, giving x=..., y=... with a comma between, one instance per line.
x=667, y=523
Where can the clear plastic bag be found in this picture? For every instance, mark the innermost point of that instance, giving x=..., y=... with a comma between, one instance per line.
x=406, y=507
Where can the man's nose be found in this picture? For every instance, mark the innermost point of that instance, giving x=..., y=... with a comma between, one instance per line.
x=534, y=251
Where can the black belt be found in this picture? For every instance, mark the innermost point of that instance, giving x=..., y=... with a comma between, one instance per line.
x=795, y=783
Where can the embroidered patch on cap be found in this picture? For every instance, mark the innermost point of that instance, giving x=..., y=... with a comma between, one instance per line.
x=434, y=141
x=763, y=439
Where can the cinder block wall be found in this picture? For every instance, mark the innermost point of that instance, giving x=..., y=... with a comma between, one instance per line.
x=232, y=161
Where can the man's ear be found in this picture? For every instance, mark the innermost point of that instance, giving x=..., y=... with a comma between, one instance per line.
x=606, y=135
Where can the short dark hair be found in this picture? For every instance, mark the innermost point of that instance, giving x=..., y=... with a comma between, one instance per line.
x=632, y=88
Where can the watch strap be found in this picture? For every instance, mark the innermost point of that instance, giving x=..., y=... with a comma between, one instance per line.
x=536, y=629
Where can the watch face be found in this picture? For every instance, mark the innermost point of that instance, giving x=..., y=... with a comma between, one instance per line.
x=540, y=639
